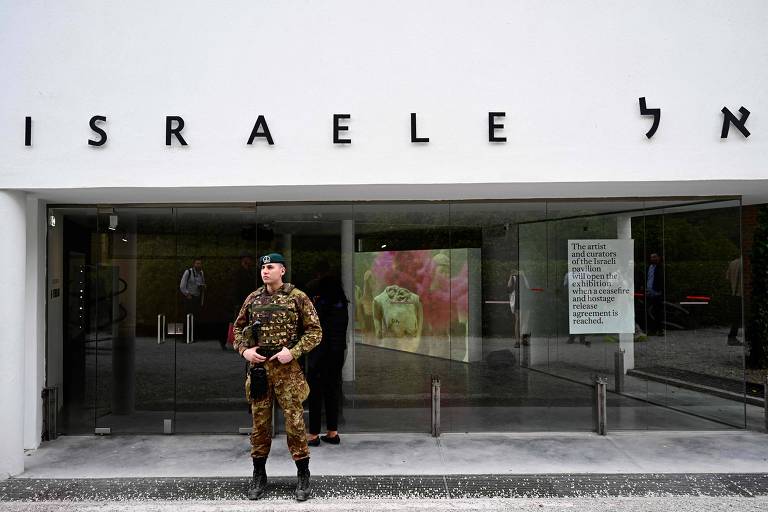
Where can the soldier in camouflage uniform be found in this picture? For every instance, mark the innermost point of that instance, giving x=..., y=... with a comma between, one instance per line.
x=266, y=334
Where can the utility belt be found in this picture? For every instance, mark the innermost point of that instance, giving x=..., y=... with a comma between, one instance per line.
x=258, y=374
x=269, y=351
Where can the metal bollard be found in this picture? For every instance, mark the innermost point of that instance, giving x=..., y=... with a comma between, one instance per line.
x=599, y=415
x=765, y=401
x=618, y=371
x=525, y=355
x=435, y=406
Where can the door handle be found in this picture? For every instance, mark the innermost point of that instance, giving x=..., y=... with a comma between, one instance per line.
x=190, y=328
x=160, y=329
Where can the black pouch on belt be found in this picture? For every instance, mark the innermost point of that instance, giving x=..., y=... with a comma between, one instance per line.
x=259, y=386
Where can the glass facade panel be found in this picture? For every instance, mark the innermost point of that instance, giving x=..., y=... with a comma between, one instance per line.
x=208, y=384
x=517, y=307
x=317, y=241
x=489, y=388
x=403, y=314
x=587, y=243
x=695, y=356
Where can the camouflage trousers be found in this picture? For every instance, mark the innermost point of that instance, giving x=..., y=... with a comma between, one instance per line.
x=286, y=384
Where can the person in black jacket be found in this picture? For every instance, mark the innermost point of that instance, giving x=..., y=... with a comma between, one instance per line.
x=325, y=362
x=243, y=282
x=654, y=296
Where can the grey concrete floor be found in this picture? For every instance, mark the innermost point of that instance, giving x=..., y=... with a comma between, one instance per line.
x=406, y=454
x=205, y=393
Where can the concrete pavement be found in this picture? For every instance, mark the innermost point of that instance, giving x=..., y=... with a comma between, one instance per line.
x=624, y=471
x=407, y=454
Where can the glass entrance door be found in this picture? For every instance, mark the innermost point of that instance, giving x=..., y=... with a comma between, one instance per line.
x=135, y=346
x=168, y=281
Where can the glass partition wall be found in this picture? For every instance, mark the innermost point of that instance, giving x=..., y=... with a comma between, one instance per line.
x=515, y=306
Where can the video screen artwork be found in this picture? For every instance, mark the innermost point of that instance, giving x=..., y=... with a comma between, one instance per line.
x=415, y=301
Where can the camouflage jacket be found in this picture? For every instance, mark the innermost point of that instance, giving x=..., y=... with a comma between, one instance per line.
x=283, y=315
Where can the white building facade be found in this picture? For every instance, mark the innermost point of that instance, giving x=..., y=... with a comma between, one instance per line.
x=471, y=141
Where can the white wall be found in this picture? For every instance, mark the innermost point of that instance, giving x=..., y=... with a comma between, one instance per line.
x=34, y=329
x=12, y=336
x=568, y=74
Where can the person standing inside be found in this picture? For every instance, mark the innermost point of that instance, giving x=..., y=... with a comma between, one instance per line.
x=519, y=323
x=243, y=280
x=734, y=276
x=192, y=287
x=242, y=284
x=276, y=325
x=654, y=296
x=324, y=364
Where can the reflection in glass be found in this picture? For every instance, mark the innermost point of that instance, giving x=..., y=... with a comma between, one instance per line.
x=481, y=294
x=693, y=306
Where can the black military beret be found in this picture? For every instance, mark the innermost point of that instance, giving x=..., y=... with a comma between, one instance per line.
x=273, y=257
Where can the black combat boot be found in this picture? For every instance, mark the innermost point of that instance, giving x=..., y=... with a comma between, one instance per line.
x=259, y=483
x=302, y=486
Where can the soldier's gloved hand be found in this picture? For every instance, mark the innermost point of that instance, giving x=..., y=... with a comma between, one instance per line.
x=251, y=355
x=284, y=356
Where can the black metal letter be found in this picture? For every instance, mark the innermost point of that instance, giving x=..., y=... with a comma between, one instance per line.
x=261, y=123
x=339, y=128
x=27, y=131
x=414, y=138
x=170, y=130
x=655, y=112
x=729, y=118
x=493, y=126
x=102, y=134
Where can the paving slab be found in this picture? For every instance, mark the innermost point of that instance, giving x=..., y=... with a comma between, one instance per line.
x=532, y=454
x=702, y=452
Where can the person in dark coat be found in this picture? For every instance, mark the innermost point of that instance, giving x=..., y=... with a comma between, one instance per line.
x=242, y=284
x=324, y=364
x=654, y=295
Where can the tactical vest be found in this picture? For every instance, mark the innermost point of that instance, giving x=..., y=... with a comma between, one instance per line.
x=278, y=317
